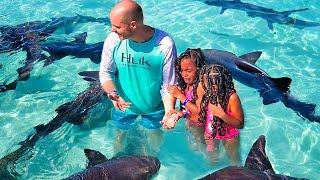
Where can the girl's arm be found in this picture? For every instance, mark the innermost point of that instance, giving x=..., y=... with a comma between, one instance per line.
x=233, y=118
x=177, y=93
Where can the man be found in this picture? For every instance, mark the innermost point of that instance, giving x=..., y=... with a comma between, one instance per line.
x=137, y=66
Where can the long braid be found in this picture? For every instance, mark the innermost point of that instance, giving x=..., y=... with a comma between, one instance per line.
x=197, y=56
x=210, y=76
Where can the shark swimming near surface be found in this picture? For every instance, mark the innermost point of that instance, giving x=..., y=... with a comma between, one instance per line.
x=57, y=50
x=257, y=166
x=123, y=167
x=12, y=38
x=271, y=89
x=270, y=15
x=74, y=112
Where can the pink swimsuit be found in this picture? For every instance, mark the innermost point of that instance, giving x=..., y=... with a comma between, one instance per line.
x=189, y=96
x=231, y=132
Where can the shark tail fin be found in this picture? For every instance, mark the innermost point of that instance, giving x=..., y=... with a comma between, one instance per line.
x=282, y=83
x=94, y=157
x=257, y=158
x=287, y=13
x=251, y=57
x=303, y=109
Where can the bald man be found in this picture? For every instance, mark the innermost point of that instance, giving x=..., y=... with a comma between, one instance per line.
x=137, y=66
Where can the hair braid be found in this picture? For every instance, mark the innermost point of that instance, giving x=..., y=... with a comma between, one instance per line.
x=197, y=56
x=218, y=75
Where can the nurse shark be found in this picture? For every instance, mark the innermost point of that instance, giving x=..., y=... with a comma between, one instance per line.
x=270, y=15
x=57, y=50
x=123, y=167
x=74, y=112
x=257, y=166
x=271, y=89
x=12, y=38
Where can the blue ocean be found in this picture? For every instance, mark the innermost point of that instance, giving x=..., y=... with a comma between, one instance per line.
x=289, y=49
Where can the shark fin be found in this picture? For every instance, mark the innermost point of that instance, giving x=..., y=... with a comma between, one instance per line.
x=90, y=74
x=270, y=25
x=287, y=13
x=80, y=38
x=268, y=96
x=257, y=158
x=94, y=157
x=222, y=9
x=251, y=57
x=282, y=83
x=11, y=86
x=96, y=58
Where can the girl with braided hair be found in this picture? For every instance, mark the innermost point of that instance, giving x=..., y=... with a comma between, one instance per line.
x=220, y=110
x=188, y=66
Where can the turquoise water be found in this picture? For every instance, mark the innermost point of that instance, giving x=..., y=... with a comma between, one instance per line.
x=292, y=145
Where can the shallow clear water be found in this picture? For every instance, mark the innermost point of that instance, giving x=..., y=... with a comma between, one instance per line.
x=292, y=145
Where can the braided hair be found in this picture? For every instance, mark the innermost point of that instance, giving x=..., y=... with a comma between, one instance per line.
x=197, y=56
x=218, y=86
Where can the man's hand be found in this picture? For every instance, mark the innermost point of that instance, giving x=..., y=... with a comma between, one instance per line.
x=170, y=119
x=120, y=104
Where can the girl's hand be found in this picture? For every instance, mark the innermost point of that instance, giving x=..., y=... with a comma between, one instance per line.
x=174, y=91
x=216, y=110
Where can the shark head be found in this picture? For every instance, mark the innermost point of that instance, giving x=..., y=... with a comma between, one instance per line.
x=122, y=167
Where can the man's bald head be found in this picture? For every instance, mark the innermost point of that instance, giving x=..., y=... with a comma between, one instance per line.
x=128, y=11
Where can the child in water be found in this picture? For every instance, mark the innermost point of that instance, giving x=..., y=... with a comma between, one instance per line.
x=209, y=102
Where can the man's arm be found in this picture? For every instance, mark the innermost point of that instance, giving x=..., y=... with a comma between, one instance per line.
x=107, y=72
x=168, y=78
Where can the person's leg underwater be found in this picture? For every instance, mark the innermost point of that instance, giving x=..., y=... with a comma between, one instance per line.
x=123, y=121
x=232, y=147
x=154, y=134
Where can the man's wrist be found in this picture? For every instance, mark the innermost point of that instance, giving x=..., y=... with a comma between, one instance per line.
x=113, y=94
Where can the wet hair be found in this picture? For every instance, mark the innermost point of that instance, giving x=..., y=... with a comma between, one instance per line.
x=219, y=76
x=197, y=56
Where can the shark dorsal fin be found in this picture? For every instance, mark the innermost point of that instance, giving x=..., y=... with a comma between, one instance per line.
x=251, y=57
x=80, y=38
x=270, y=25
x=257, y=158
x=282, y=83
x=94, y=157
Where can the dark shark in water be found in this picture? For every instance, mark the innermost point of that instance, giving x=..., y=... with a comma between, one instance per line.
x=271, y=89
x=257, y=166
x=74, y=112
x=77, y=49
x=13, y=37
x=57, y=50
x=123, y=167
x=270, y=15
